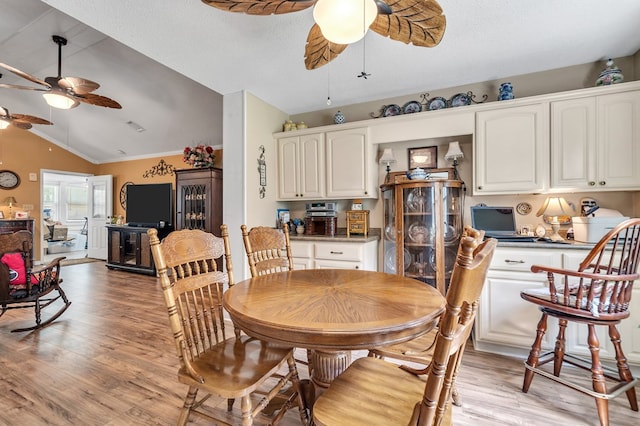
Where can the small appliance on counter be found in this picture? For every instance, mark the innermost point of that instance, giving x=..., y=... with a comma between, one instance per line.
x=321, y=219
x=591, y=228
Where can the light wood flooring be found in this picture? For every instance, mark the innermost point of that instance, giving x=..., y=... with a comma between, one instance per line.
x=110, y=360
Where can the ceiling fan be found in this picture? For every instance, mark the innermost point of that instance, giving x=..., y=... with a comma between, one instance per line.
x=21, y=121
x=419, y=22
x=63, y=92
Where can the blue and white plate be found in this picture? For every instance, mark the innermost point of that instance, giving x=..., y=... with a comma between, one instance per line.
x=436, y=103
x=461, y=99
x=411, y=107
x=391, y=110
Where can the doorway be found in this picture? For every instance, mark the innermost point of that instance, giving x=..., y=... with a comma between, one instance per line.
x=65, y=208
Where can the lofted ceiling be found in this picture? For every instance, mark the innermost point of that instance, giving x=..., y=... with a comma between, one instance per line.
x=168, y=61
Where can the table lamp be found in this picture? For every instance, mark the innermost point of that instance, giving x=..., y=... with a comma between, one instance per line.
x=554, y=207
x=11, y=201
x=387, y=158
x=453, y=154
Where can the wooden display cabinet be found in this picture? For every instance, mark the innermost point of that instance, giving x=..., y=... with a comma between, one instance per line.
x=199, y=199
x=422, y=226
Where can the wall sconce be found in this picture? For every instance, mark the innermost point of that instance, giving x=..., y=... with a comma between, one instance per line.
x=387, y=158
x=11, y=201
x=554, y=207
x=453, y=154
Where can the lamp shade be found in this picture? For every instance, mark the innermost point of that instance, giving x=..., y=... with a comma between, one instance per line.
x=387, y=156
x=555, y=206
x=10, y=200
x=60, y=100
x=344, y=21
x=454, y=151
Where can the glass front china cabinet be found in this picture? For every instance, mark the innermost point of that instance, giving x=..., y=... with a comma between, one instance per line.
x=422, y=226
x=199, y=199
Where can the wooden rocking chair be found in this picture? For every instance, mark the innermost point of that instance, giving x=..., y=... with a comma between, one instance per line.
x=36, y=291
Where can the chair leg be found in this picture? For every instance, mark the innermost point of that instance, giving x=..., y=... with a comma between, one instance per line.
x=597, y=376
x=623, y=368
x=534, y=355
x=246, y=408
x=189, y=400
x=559, y=350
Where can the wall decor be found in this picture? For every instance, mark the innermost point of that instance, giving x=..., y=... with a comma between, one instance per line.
x=9, y=179
x=425, y=157
x=262, y=171
x=123, y=194
x=161, y=169
x=523, y=208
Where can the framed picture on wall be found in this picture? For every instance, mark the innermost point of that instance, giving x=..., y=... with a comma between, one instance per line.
x=22, y=215
x=425, y=158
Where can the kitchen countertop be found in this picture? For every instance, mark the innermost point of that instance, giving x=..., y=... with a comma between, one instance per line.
x=340, y=236
x=567, y=244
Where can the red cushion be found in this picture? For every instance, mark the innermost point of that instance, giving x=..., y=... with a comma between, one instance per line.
x=17, y=270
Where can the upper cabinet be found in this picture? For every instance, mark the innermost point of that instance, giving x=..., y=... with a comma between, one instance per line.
x=349, y=164
x=301, y=167
x=595, y=143
x=336, y=164
x=511, y=150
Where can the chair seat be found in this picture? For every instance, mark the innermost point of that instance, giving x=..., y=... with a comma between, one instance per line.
x=378, y=389
x=586, y=310
x=236, y=367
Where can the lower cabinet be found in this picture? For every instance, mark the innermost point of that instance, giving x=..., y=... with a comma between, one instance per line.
x=129, y=249
x=336, y=255
x=506, y=324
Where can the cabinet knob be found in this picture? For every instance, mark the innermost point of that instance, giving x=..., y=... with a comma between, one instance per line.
x=592, y=183
x=357, y=267
x=602, y=183
x=480, y=188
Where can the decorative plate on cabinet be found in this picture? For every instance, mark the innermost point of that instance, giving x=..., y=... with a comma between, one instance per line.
x=391, y=110
x=411, y=107
x=436, y=103
x=461, y=99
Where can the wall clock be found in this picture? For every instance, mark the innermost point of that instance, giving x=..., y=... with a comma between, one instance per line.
x=123, y=194
x=9, y=179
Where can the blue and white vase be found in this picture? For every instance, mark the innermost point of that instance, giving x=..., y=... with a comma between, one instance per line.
x=610, y=75
x=505, y=92
x=338, y=118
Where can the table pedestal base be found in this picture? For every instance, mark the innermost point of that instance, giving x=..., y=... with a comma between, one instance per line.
x=327, y=365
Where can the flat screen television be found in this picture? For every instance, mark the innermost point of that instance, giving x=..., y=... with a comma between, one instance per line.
x=150, y=205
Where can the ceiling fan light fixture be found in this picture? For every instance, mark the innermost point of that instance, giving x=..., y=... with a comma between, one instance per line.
x=344, y=21
x=60, y=100
x=3, y=124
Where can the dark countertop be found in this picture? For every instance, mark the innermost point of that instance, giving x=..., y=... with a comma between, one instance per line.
x=568, y=244
x=340, y=236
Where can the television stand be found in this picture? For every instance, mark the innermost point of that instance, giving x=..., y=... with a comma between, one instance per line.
x=129, y=248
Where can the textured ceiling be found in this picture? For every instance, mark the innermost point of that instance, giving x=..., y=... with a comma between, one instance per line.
x=228, y=52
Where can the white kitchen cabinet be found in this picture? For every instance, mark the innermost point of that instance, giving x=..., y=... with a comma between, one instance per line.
x=350, y=164
x=511, y=150
x=595, y=143
x=335, y=254
x=301, y=167
x=506, y=324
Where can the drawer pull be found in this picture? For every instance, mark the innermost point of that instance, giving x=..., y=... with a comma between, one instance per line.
x=513, y=261
x=336, y=252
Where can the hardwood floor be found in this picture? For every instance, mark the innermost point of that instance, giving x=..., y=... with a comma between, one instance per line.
x=110, y=360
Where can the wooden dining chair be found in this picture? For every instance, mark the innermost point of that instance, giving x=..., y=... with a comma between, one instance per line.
x=210, y=361
x=268, y=249
x=420, y=350
x=598, y=293
x=373, y=391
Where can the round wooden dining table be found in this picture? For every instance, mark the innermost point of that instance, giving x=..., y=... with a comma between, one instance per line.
x=333, y=311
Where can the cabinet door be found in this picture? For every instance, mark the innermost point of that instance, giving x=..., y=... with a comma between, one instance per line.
x=349, y=165
x=573, y=144
x=512, y=150
x=312, y=166
x=288, y=168
x=618, y=123
x=114, y=254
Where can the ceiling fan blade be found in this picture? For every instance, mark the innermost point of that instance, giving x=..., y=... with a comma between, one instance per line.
x=79, y=85
x=319, y=51
x=419, y=22
x=30, y=119
x=21, y=124
x=16, y=86
x=93, y=99
x=260, y=7
x=23, y=75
